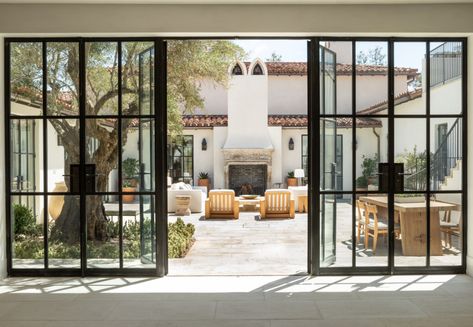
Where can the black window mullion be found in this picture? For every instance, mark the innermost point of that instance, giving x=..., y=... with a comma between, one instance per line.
x=7, y=131
x=120, y=145
x=83, y=145
x=427, y=173
x=314, y=159
x=464, y=122
x=353, y=154
x=45, y=154
x=391, y=157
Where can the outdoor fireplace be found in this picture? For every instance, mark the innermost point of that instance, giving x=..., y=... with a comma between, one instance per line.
x=243, y=178
x=248, y=166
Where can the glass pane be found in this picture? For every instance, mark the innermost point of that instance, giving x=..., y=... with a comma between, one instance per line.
x=372, y=230
x=409, y=78
x=26, y=79
x=27, y=231
x=410, y=229
x=26, y=155
x=139, y=231
x=102, y=146
x=63, y=78
x=328, y=82
x=138, y=78
x=343, y=155
x=371, y=78
x=446, y=229
x=336, y=219
x=371, y=149
x=64, y=231
x=328, y=164
x=343, y=56
x=138, y=154
x=101, y=78
x=103, y=250
x=446, y=78
x=63, y=151
x=446, y=149
x=410, y=152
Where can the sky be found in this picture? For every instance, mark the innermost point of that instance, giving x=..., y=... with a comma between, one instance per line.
x=406, y=54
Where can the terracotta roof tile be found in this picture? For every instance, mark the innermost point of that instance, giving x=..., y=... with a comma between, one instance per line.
x=300, y=68
x=399, y=99
x=210, y=121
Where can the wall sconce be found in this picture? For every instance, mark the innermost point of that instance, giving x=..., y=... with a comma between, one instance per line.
x=291, y=144
x=204, y=144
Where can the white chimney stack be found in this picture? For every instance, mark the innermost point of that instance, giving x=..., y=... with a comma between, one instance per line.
x=248, y=107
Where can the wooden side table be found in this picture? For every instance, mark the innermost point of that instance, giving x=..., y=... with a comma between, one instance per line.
x=302, y=203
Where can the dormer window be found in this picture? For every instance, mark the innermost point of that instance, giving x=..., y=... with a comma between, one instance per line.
x=237, y=70
x=258, y=70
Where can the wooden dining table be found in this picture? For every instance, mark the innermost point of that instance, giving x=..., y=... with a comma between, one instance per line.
x=412, y=218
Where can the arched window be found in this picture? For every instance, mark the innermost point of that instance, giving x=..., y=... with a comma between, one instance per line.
x=258, y=70
x=237, y=70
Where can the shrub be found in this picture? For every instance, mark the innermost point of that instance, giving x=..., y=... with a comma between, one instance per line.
x=180, y=238
x=24, y=220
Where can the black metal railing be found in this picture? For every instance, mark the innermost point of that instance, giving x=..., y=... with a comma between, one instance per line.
x=445, y=62
x=445, y=158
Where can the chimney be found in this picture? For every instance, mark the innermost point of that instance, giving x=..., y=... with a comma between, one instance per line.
x=248, y=107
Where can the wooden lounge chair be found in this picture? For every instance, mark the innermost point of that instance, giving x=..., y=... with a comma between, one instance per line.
x=222, y=204
x=277, y=204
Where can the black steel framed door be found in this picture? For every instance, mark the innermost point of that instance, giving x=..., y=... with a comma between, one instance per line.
x=87, y=140
x=72, y=106
x=404, y=209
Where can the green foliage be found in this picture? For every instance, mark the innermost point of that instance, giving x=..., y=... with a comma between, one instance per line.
x=24, y=221
x=180, y=238
x=368, y=169
x=189, y=63
x=415, y=164
x=290, y=174
x=203, y=175
x=131, y=168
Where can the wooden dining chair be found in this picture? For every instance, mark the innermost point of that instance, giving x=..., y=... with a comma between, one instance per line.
x=361, y=219
x=373, y=227
x=450, y=225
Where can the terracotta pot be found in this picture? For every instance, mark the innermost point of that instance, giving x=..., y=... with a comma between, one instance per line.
x=56, y=202
x=128, y=198
x=291, y=181
x=203, y=182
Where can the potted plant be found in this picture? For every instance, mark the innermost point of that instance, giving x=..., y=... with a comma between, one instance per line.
x=204, y=179
x=130, y=168
x=291, y=180
x=368, y=170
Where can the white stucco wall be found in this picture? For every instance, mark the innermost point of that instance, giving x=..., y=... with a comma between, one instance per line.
x=275, y=133
x=203, y=160
x=292, y=159
x=287, y=94
x=219, y=138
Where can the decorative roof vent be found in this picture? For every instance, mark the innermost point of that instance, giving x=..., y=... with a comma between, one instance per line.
x=257, y=70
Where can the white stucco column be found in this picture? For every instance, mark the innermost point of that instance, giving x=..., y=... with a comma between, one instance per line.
x=469, y=258
x=3, y=252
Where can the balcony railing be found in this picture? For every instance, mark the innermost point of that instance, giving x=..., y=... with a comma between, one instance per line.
x=444, y=159
x=445, y=62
